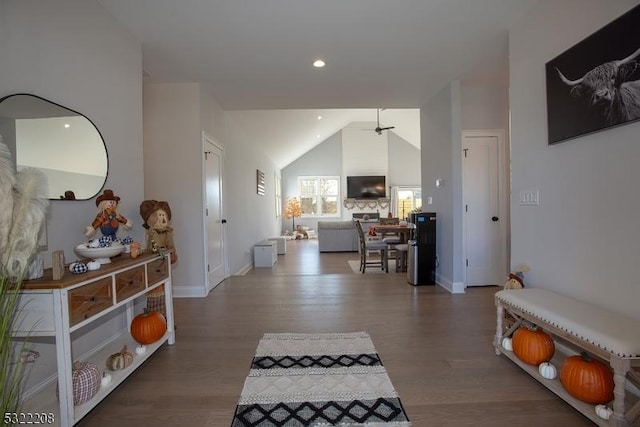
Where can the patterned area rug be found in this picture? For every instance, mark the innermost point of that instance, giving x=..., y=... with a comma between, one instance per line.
x=318, y=380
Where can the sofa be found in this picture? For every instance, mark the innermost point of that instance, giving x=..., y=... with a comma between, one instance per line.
x=337, y=236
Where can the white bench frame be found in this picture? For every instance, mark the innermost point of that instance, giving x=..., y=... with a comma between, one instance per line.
x=626, y=369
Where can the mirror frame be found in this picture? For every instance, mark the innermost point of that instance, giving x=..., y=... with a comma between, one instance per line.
x=66, y=196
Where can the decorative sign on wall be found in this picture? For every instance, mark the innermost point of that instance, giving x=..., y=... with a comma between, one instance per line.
x=595, y=84
x=260, y=182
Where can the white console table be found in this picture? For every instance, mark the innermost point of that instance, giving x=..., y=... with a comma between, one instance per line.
x=58, y=308
x=265, y=253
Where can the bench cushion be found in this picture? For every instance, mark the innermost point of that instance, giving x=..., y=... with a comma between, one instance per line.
x=607, y=330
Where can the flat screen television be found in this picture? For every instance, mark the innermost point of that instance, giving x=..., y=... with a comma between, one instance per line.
x=366, y=187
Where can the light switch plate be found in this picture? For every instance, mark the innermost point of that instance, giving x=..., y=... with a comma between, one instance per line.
x=529, y=198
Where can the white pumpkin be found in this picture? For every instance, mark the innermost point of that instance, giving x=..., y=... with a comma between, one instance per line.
x=603, y=411
x=106, y=379
x=93, y=265
x=506, y=344
x=547, y=370
x=141, y=349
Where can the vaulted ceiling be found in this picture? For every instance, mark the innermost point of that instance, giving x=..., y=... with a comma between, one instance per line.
x=256, y=57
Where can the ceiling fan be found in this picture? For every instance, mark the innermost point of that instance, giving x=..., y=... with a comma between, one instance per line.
x=379, y=129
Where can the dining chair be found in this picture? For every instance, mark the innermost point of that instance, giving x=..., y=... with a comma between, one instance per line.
x=374, y=246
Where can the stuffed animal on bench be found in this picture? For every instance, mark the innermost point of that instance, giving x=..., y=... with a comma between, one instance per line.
x=516, y=279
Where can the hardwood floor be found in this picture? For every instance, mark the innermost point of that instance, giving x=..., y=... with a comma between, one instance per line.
x=436, y=347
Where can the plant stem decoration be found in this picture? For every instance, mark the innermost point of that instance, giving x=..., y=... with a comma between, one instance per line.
x=22, y=214
x=292, y=210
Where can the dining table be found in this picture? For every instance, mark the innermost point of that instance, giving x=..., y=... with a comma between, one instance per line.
x=402, y=230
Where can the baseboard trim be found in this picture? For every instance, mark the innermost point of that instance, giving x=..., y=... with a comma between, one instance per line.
x=243, y=270
x=189, y=292
x=453, y=287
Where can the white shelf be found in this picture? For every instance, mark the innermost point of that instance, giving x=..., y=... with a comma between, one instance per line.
x=126, y=275
x=46, y=400
x=555, y=385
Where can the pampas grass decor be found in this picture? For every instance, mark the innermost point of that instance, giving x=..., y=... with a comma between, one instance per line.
x=22, y=213
x=29, y=211
x=7, y=182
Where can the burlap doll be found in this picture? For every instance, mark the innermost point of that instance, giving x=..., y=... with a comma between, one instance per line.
x=156, y=216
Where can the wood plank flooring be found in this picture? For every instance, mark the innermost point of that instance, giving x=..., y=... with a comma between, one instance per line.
x=435, y=346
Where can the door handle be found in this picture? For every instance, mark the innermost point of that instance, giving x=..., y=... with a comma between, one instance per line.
x=494, y=218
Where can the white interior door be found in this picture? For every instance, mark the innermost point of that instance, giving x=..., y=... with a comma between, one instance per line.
x=214, y=221
x=485, y=242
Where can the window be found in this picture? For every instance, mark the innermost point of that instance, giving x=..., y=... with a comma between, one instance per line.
x=319, y=195
x=278, y=191
x=406, y=199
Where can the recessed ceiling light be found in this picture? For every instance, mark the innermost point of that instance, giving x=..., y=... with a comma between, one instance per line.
x=319, y=63
x=319, y=117
x=67, y=125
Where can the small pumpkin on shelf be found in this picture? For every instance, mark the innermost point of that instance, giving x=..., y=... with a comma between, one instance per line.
x=532, y=345
x=106, y=379
x=141, y=349
x=120, y=360
x=603, y=411
x=587, y=379
x=507, y=344
x=547, y=370
x=148, y=327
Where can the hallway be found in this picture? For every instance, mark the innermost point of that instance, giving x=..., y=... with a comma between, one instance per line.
x=436, y=347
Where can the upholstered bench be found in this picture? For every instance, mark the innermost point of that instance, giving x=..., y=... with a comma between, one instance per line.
x=578, y=326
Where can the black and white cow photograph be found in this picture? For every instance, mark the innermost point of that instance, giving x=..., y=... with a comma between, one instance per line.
x=595, y=84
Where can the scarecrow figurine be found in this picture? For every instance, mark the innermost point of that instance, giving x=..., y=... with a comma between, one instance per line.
x=108, y=219
x=156, y=216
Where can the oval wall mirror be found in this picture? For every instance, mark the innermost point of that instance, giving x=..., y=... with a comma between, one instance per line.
x=64, y=144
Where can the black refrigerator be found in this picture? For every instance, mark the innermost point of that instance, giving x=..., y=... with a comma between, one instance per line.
x=421, y=268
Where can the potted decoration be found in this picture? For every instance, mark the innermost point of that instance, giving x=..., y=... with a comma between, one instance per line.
x=22, y=213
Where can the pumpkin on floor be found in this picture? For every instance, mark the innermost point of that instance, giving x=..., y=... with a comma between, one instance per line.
x=532, y=346
x=148, y=327
x=587, y=379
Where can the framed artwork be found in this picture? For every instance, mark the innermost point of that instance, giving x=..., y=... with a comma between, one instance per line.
x=260, y=182
x=595, y=84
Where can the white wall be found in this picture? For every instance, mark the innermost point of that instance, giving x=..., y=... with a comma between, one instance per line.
x=173, y=172
x=582, y=240
x=73, y=53
x=250, y=217
x=441, y=153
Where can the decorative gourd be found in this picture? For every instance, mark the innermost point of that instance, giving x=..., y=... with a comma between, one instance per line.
x=532, y=346
x=587, y=379
x=507, y=344
x=547, y=370
x=106, y=379
x=86, y=381
x=141, y=349
x=148, y=327
x=120, y=360
x=603, y=411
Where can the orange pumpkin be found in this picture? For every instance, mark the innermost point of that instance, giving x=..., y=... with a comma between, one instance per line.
x=587, y=379
x=148, y=327
x=533, y=346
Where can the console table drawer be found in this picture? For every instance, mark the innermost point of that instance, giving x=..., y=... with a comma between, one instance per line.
x=157, y=270
x=89, y=300
x=129, y=282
